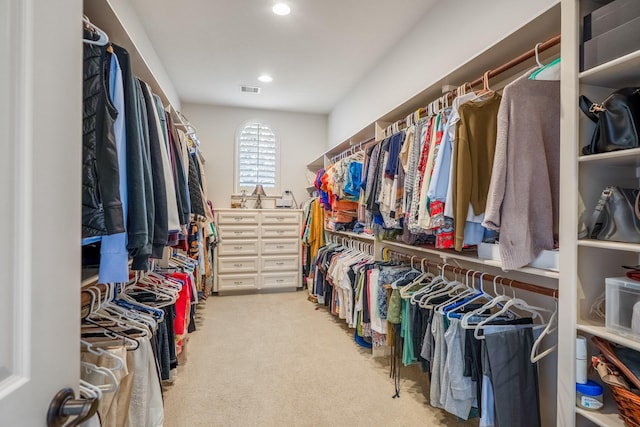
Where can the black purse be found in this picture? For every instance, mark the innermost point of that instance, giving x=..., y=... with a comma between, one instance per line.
x=617, y=121
x=616, y=216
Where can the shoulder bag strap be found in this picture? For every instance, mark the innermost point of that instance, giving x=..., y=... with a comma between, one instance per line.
x=598, y=212
x=586, y=107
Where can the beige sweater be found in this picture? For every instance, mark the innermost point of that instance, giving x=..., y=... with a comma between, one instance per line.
x=525, y=183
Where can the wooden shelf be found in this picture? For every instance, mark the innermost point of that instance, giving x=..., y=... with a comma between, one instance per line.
x=629, y=157
x=620, y=72
x=470, y=257
x=596, y=328
x=616, y=246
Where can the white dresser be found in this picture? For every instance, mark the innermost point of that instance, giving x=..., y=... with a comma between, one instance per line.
x=259, y=249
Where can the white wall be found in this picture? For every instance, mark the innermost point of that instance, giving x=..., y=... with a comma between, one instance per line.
x=415, y=62
x=131, y=22
x=301, y=137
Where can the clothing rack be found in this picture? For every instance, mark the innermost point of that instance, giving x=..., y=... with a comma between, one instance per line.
x=351, y=150
x=531, y=53
x=537, y=289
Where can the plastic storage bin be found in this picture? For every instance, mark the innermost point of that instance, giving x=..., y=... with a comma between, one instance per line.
x=623, y=306
x=547, y=260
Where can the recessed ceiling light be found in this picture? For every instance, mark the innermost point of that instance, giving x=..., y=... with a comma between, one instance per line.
x=281, y=9
x=265, y=78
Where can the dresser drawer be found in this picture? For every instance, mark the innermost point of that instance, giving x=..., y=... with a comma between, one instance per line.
x=237, y=217
x=280, y=263
x=280, y=218
x=277, y=247
x=238, y=247
x=238, y=231
x=281, y=280
x=237, y=264
x=280, y=231
x=237, y=281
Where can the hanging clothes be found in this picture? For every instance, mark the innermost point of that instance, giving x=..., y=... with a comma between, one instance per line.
x=524, y=195
x=473, y=159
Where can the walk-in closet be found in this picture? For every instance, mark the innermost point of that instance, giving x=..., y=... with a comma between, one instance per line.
x=290, y=213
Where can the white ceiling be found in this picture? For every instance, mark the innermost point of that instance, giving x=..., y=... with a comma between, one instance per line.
x=315, y=55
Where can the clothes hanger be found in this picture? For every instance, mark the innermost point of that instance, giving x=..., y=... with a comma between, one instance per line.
x=111, y=386
x=89, y=391
x=103, y=38
x=550, y=71
x=465, y=293
x=552, y=326
x=453, y=307
x=102, y=352
x=492, y=302
x=486, y=91
x=513, y=302
x=129, y=342
x=433, y=282
x=448, y=289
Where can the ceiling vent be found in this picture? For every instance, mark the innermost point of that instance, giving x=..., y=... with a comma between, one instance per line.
x=250, y=89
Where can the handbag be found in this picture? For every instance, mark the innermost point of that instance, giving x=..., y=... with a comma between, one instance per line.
x=617, y=121
x=616, y=216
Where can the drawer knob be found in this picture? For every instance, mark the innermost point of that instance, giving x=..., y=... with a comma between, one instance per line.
x=280, y=218
x=237, y=265
x=237, y=247
x=237, y=233
x=280, y=263
x=280, y=280
x=280, y=231
x=238, y=218
x=237, y=282
x=280, y=246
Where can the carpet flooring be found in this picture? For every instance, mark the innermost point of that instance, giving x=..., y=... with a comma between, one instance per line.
x=275, y=360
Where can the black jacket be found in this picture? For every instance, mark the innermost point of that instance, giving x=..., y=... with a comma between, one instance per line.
x=161, y=220
x=179, y=176
x=101, y=205
x=139, y=182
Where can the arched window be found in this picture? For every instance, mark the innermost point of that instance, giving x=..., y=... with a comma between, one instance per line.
x=257, y=158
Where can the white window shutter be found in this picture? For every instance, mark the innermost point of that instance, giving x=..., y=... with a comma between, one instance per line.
x=257, y=156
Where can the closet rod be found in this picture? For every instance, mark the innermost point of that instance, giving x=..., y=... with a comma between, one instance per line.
x=531, y=53
x=537, y=289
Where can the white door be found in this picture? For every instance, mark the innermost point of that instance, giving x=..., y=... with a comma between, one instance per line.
x=40, y=183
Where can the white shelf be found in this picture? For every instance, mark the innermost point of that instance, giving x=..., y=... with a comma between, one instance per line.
x=608, y=416
x=618, y=73
x=593, y=327
x=472, y=258
x=616, y=246
x=316, y=164
x=629, y=157
x=350, y=234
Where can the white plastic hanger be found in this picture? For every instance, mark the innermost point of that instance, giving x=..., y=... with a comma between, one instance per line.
x=497, y=299
x=550, y=71
x=103, y=38
x=513, y=302
x=111, y=384
x=102, y=352
x=552, y=325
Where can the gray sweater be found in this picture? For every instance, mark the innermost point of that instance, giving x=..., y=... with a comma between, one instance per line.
x=525, y=182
